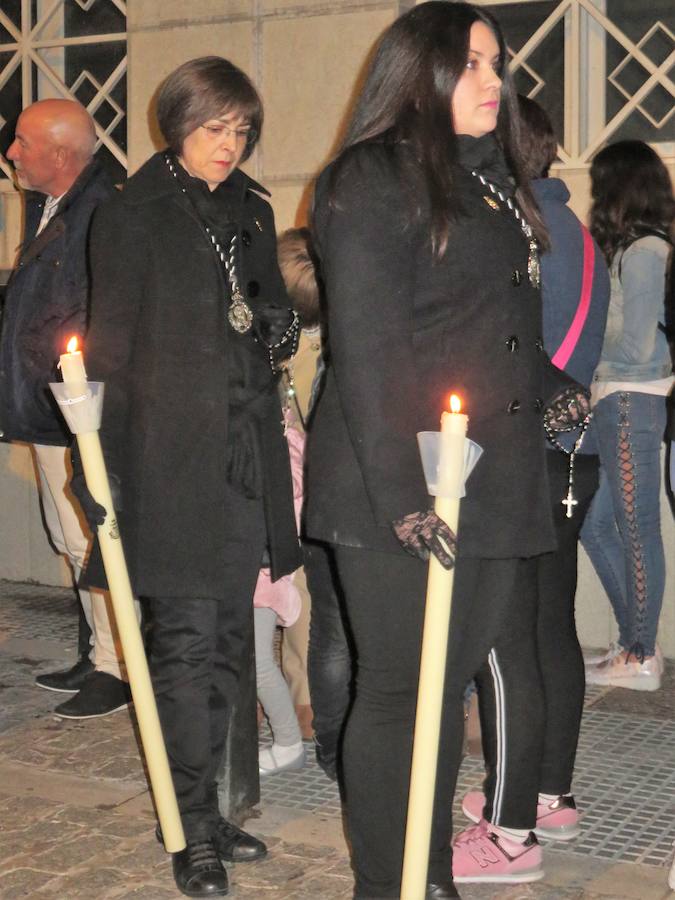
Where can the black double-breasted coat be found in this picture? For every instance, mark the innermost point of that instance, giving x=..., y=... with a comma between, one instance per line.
x=404, y=331
x=160, y=340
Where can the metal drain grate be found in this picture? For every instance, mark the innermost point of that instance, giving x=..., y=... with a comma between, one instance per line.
x=624, y=782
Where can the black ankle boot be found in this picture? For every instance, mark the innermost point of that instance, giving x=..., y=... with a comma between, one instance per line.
x=198, y=872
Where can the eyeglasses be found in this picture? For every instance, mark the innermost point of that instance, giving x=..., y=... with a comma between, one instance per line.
x=224, y=131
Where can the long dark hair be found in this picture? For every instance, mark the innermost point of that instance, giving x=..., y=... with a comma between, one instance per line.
x=632, y=196
x=407, y=98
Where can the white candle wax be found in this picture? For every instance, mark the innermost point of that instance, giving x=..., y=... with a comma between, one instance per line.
x=451, y=464
x=73, y=372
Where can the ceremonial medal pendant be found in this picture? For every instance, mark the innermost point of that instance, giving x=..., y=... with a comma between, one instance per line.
x=239, y=314
x=533, y=266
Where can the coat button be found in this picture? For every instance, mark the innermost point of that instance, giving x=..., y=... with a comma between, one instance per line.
x=516, y=277
x=512, y=343
x=538, y=405
x=539, y=344
x=513, y=407
x=253, y=288
x=246, y=238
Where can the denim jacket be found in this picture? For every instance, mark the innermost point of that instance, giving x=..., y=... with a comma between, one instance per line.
x=635, y=348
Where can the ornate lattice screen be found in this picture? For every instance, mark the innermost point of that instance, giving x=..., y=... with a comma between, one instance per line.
x=604, y=69
x=66, y=48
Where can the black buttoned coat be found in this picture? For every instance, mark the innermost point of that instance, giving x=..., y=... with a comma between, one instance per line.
x=404, y=331
x=160, y=340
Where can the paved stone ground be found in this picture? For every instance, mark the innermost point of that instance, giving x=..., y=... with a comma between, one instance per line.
x=76, y=819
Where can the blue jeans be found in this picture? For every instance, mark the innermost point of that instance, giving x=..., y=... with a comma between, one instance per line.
x=622, y=531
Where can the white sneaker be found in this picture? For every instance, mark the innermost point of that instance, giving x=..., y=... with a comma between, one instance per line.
x=671, y=877
x=617, y=672
x=276, y=758
x=594, y=659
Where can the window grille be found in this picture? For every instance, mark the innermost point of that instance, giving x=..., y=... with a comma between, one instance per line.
x=75, y=49
x=603, y=69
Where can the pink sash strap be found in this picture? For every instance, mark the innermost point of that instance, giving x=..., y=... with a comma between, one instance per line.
x=566, y=349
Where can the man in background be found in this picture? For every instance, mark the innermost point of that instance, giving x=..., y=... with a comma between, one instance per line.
x=45, y=304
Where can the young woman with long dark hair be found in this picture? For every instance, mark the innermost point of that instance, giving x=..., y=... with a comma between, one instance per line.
x=632, y=219
x=429, y=241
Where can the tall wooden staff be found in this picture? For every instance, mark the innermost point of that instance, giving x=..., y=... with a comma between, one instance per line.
x=451, y=475
x=81, y=404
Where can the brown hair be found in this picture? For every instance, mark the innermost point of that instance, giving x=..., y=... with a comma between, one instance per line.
x=538, y=143
x=203, y=89
x=298, y=265
x=632, y=196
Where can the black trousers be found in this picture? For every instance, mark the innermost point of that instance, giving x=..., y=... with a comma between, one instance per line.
x=384, y=596
x=329, y=658
x=552, y=586
x=199, y=647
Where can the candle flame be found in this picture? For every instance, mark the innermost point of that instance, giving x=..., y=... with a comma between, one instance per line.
x=455, y=403
x=72, y=344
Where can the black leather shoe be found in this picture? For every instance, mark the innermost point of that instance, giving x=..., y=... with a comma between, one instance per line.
x=441, y=891
x=198, y=872
x=234, y=845
x=100, y=695
x=68, y=681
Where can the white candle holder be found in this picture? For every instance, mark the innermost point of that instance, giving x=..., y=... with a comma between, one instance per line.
x=431, y=444
x=82, y=413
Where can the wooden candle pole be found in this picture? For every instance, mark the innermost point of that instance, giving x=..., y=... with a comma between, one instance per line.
x=89, y=444
x=432, y=666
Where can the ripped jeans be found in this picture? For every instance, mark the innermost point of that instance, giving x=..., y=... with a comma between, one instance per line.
x=622, y=531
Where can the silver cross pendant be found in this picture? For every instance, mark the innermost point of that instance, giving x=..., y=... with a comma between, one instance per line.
x=569, y=502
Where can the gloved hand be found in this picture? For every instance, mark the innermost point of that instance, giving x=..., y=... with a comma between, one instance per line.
x=272, y=322
x=567, y=409
x=422, y=533
x=94, y=513
x=242, y=463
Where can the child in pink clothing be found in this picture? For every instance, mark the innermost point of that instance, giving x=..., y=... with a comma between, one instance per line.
x=275, y=604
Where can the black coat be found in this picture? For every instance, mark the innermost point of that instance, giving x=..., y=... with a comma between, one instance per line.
x=404, y=331
x=45, y=304
x=160, y=341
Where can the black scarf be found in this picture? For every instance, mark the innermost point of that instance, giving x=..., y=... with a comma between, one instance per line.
x=219, y=209
x=484, y=155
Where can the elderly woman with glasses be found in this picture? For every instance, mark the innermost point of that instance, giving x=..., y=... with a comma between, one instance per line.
x=189, y=321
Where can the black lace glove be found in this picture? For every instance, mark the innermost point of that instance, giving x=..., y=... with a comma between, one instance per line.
x=277, y=328
x=243, y=471
x=422, y=533
x=94, y=513
x=567, y=409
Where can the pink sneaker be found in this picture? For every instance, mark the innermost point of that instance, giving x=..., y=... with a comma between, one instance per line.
x=557, y=820
x=480, y=855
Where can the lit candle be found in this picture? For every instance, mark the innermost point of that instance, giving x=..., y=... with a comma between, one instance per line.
x=432, y=666
x=122, y=599
x=72, y=368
